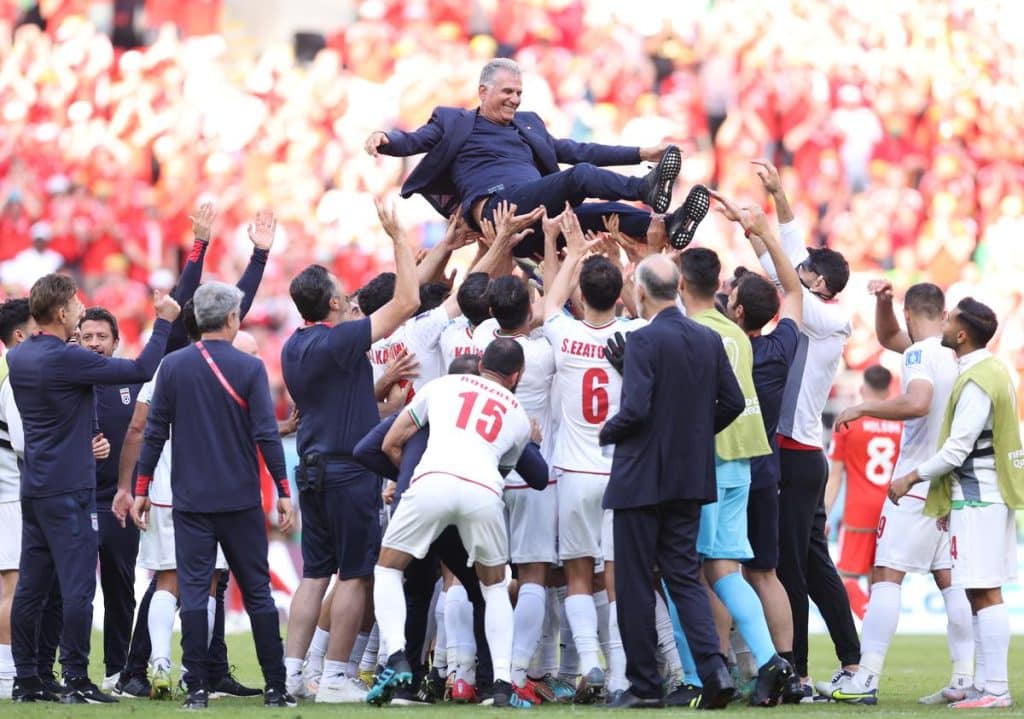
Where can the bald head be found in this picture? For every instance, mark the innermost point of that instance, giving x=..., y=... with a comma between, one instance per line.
x=659, y=278
x=245, y=342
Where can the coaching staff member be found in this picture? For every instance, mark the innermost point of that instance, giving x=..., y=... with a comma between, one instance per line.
x=53, y=388
x=678, y=391
x=218, y=401
x=329, y=377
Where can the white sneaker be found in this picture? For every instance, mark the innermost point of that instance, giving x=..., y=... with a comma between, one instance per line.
x=946, y=695
x=6, y=687
x=341, y=690
x=985, y=700
x=110, y=682
x=825, y=689
x=312, y=680
x=296, y=686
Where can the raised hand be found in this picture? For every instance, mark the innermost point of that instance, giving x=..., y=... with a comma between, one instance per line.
x=165, y=306
x=374, y=141
x=552, y=226
x=388, y=219
x=881, y=289
x=768, y=175
x=202, y=221
x=575, y=241
x=261, y=230
x=654, y=152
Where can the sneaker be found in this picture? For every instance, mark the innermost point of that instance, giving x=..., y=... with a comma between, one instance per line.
x=340, y=690
x=133, y=688
x=228, y=686
x=590, y=687
x=808, y=695
x=32, y=690
x=529, y=691
x=946, y=695
x=396, y=674
x=432, y=688
x=198, y=699
x=53, y=685
x=771, y=681
x=367, y=677
x=463, y=692
x=279, y=697
x=110, y=682
x=657, y=185
x=161, y=684
x=505, y=695
x=559, y=692
x=826, y=688
x=82, y=691
x=681, y=223
x=685, y=695
x=985, y=700
x=312, y=679
x=6, y=687
x=295, y=684
x=851, y=691
x=409, y=697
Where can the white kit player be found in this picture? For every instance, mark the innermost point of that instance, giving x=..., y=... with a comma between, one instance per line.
x=532, y=516
x=588, y=390
x=156, y=546
x=908, y=540
x=478, y=430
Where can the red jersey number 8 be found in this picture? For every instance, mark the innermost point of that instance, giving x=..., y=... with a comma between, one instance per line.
x=595, y=396
x=489, y=424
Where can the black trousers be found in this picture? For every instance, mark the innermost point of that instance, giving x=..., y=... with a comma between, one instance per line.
x=243, y=538
x=665, y=534
x=805, y=567
x=119, y=548
x=50, y=631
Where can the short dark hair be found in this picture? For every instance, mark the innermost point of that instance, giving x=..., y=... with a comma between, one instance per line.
x=503, y=356
x=311, y=291
x=376, y=293
x=759, y=300
x=432, y=295
x=14, y=315
x=472, y=297
x=878, y=378
x=832, y=266
x=926, y=299
x=465, y=364
x=48, y=295
x=978, y=320
x=600, y=283
x=509, y=300
x=700, y=268
x=188, y=320
x=101, y=314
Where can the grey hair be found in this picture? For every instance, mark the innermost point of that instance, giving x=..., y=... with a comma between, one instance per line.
x=494, y=66
x=650, y=274
x=213, y=302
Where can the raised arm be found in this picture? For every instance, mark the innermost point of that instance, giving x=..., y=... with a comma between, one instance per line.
x=913, y=403
x=261, y=234
x=576, y=247
x=407, y=296
x=192, y=272
x=399, y=143
x=887, y=327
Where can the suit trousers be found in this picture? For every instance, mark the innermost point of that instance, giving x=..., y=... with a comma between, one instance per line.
x=666, y=534
x=243, y=538
x=805, y=567
x=50, y=631
x=119, y=548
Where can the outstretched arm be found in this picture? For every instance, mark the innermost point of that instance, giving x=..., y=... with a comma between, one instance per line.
x=399, y=143
x=261, y=234
x=192, y=272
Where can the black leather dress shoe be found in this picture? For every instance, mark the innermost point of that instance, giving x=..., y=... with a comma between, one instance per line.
x=629, y=700
x=718, y=690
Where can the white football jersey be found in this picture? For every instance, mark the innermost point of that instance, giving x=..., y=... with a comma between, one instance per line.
x=476, y=426
x=926, y=360
x=422, y=336
x=384, y=350
x=587, y=387
x=456, y=341
x=160, y=488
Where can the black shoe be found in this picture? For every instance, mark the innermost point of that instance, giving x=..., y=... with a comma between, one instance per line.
x=82, y=691
x=397, y=673
x=505, y=696
x=53, y=685
x=772, y=679
x=278, y=697
x=432, y=687
x=133, y=688
x=198, y=699
x=657, y=186
x=32, y=690
x=682, y=223
x=629, y=700
x=409, y=696
x=718, y=690
x=685, y=695
x=228, y=686
x=793, y=692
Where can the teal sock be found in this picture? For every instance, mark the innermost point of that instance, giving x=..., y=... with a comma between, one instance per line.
x=745, y=607
x=689, y=665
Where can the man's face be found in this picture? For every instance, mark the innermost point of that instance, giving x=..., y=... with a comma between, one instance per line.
x=812, y=279
x=98, y=336
x=951, y=330
x=499, y=102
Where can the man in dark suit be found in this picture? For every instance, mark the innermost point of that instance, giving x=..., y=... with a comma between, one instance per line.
x=678, y=391
x=477, y=158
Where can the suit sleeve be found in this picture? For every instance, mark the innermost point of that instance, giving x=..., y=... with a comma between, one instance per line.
x=637, y=390
x=573, y=153
x=264, y=429
x=187, y=284
x=250, y=280
x=368, y=450
x=404, y=144
x=532, y=467
x=158, y=430
x=731, y=403
x=80, y=366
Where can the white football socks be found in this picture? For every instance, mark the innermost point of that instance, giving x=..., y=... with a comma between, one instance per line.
x=582, y=614
x=959, y=635
x=162, y=608
x=389, y=608
x=458, y=619
x=994, y=631
x=528, y=625
x=880, y=621
x=498, y=625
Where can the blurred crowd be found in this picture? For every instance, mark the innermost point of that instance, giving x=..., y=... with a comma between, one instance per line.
x=897, y=125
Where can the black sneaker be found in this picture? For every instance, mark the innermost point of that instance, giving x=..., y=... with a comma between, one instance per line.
x=133, y=688
x=685, y=695
x=198, y=699
x=772, y=679
x=409, y=696
x=228, y=686
x=82, y=691
x=505, y=696
x=53, y=685
x=433, y=686
x=657, y=185
x=396, y=674
x=32, y=690
x=682, y=223
x=278, y=697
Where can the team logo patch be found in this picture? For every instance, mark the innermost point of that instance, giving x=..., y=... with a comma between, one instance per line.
x=913, y=358
x=126, y=396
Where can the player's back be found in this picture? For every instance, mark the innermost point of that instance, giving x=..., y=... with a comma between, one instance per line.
x=534, y=390
x=926, y=360
x=456, y=341
x=587, y=388
x=868, y=448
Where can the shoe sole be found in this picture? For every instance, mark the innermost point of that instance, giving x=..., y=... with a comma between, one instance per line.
x=695, y=209
x=668, y=170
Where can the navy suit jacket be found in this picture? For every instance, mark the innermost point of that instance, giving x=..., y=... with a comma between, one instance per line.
x=446, y=132
x=678, y=392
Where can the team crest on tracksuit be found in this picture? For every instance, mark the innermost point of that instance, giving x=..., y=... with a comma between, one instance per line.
x=126, y=395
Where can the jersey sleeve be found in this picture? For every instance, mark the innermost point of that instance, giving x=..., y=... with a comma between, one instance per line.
x=556, y=327
x=918, y=363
